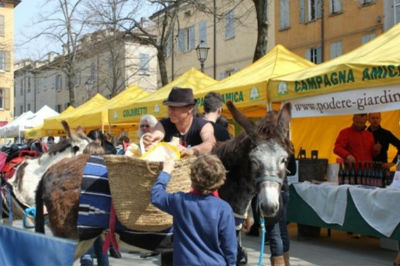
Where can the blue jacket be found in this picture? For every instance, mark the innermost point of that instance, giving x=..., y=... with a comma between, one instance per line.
x=204, y=228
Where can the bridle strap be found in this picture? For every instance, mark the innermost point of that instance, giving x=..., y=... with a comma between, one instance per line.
x=269, y=178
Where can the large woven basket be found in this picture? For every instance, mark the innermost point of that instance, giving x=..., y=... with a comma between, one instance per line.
x=131, y=181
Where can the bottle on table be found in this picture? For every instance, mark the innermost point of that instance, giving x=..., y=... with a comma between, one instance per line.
x=340, y=174
x=352, y=174
x=359, y=174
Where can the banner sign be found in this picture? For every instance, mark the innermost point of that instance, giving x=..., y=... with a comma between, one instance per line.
x=378, y=99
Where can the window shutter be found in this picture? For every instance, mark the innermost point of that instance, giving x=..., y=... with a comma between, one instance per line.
x=338, y=6
x=191, y=38
x=319, y=55
x=203, y=31
x=308, y=54
x=181, y=43
x=318, y=9
x=2, y=26
x=7, y=61
x=229, y=26
x=6, y=100
x=302, y=11
x=284, y=14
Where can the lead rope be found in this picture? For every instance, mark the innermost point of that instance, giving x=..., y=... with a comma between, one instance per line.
x=262, y=244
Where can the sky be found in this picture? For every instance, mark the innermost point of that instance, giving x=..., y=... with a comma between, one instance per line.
x=25, y=17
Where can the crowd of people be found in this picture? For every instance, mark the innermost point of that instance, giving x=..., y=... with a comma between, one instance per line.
x=208, y=235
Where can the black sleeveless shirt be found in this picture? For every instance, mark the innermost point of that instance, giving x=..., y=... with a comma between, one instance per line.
x=192, y=137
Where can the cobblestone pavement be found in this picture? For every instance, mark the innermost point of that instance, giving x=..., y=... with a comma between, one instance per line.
x=338, y=249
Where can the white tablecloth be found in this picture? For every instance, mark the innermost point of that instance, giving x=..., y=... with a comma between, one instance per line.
x=380, y=208
x=328, y=200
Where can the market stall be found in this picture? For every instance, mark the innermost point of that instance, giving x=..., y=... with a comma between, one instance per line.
x=53, y=127
x=98, y=118
x=14, y=128
x=364, y=80
x=247, y=88
x=152, y=104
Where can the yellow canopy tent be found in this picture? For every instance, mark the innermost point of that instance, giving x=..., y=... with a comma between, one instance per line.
x=53, y=125
x=248, y=87
x=152, y=104
x=98, y=117
x=364, y=80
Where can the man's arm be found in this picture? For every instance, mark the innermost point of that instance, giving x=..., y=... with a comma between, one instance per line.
x=341, y=144
x=395, y=142
x=155, y=136
x=207, y=135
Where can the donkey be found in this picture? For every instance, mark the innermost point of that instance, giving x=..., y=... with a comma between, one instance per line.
x=27, y=176
x=255, y=161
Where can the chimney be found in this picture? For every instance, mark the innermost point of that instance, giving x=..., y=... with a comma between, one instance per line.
x=65, y=49
x=51, y=56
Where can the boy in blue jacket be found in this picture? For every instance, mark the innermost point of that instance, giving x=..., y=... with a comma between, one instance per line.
x=204, y=227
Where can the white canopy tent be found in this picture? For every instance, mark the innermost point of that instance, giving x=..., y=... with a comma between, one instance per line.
x=38, y=118
x=13, y=129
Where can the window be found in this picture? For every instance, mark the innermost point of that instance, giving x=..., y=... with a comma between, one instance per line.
x=1, y=98
x=229, y=25
x=29, y=107
x=4, y=61
x=29, y=84
x=2, y=26
x=186, y=39
x=366, y=2
x=336, y=49
x=396, y=9
x=21, y=110
x=92, y=72
x=59, y=106
x=66, y=105
x=21, y=87
x=335, y=6
x=314, y=55
x=284, y=14
x=203, y=31
x=144, y=64
x=168, y=47
x=111, y=64
x=366, y=38
x=227, y=73
x=78, y=78
x=310, y=10
x=58, y=82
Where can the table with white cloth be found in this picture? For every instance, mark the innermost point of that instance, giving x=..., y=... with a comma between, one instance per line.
x=358, y=209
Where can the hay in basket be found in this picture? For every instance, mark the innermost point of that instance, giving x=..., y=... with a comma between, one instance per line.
x=131, y=181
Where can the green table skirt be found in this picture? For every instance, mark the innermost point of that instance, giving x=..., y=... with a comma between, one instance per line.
x=300, y=212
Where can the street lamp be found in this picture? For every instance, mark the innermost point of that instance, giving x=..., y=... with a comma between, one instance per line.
x=202, y=52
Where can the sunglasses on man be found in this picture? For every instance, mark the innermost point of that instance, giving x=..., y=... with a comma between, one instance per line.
x=144, y=126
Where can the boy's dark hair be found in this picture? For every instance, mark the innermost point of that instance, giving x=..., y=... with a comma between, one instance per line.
x=212, y=101
x=96, y=134
x=207, y=174
x=223, y=121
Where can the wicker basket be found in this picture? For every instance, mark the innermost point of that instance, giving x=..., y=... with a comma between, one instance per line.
x=131, y=181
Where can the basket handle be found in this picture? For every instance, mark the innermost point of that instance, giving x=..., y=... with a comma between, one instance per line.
x=141, y=145
x=151, y=171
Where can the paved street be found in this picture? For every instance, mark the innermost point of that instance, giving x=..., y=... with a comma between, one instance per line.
x=339, y=249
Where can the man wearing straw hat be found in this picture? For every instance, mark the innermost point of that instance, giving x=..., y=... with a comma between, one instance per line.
x=195, y=134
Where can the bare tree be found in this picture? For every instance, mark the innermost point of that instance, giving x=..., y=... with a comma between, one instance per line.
x=262, y=28
x=64, y=24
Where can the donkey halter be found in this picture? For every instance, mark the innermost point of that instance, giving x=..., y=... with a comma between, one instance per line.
x=275, y=179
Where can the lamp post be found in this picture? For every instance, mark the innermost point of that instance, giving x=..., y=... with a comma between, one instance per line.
x=202, y=52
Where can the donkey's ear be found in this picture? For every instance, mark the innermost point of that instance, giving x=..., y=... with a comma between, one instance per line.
x=284, y=117
x=242, y=120
x=66, y=128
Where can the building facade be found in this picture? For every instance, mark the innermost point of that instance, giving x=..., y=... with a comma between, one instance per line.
x=100, y=68
x=7, y=60
x=234, y=43
x=320, y=30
